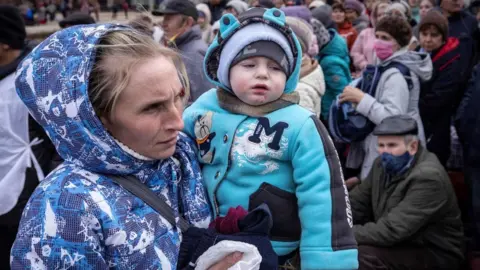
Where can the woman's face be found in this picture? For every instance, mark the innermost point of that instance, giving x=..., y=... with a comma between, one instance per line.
x=382, y=35
x=338, y=16
x=431, y=39
x=425, y=6
x=148, y=113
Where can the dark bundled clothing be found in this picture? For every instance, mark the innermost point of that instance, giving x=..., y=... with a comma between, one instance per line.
x=217, y=10
x=415, y=209
x=439, y=98
x=12, y=27
x=468, y=127
x=254, y=229
x=465, y=27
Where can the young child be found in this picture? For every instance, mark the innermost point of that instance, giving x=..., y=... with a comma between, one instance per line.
x=259, y=146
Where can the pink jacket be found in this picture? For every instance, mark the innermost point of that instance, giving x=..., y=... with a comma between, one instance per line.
x=362, y=52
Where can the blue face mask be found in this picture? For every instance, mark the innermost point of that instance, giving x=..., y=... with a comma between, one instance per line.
x=395, y=165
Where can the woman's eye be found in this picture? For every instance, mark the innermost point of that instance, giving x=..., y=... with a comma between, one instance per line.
x=154, y=108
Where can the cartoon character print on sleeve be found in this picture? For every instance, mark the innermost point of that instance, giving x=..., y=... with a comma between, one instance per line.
x=204, y=137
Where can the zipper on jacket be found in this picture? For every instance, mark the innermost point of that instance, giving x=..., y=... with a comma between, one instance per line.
x=215, y=201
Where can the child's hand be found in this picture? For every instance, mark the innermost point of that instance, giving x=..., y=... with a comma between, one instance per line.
x=351, y=94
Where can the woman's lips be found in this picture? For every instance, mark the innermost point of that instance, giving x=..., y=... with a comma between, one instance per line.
x=169, y=141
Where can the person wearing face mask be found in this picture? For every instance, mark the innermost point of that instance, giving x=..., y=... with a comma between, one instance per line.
x=437, y=96
x=182, y=32
x=405, y=212
x=394, y=95
x=362, y=51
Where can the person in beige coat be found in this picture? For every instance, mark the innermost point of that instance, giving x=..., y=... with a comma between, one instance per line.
x=311, y=85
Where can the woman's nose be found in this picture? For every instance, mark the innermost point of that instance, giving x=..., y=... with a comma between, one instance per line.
x=174, y=119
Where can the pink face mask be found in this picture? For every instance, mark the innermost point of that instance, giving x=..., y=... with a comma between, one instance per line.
x=383, y=49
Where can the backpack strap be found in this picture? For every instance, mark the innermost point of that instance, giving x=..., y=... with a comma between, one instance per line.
x=405, y=72
x=141, y=191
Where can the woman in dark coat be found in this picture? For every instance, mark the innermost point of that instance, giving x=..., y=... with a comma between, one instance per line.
x=439, y=96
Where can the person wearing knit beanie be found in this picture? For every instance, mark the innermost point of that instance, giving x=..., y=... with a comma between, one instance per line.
x=236, y=7
x=353, y=5
x=302, y=31
x=324, y=15
x=397, y=27
x=12, y=27
x=315, y=4
x=311, y=85
x=437, y=20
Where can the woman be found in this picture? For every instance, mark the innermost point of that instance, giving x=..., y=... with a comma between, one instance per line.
x=345, y=27
x=111, y=101
x=362, y=51
x=354, y=11
x=425, y=6
x=393, y=96
x=440, y=95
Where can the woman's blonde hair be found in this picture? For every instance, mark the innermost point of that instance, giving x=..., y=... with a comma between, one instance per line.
x=118, y=53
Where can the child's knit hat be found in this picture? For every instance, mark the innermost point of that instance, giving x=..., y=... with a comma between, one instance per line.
x=256, y=32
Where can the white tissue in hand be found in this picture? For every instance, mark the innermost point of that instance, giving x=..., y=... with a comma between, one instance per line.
x=251, y=258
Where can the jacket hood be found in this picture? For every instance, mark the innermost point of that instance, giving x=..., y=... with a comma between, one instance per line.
x=208, y=15
x=53, y=83
x=238, y=5
x=337, y=46
x=229, y=25
x=418, y=62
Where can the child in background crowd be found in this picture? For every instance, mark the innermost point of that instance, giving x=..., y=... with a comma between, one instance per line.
x=258, y=146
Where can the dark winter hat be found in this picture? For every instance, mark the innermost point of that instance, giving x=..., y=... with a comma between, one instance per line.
x=398, y=125
x=324, y=15
x=12, y=27
x=183, y=7
x=397, y=26
x=435, y=18
x=355, y=5
x=76, y=18
x=268, y=49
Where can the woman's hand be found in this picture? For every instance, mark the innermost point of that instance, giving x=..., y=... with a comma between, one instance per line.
x=351, y=94
x=227, y=262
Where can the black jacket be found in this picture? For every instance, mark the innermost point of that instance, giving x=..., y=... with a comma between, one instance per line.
x=439, y=98
x=468, y=121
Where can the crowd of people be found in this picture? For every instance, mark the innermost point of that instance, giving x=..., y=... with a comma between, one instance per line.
x=257, y=134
